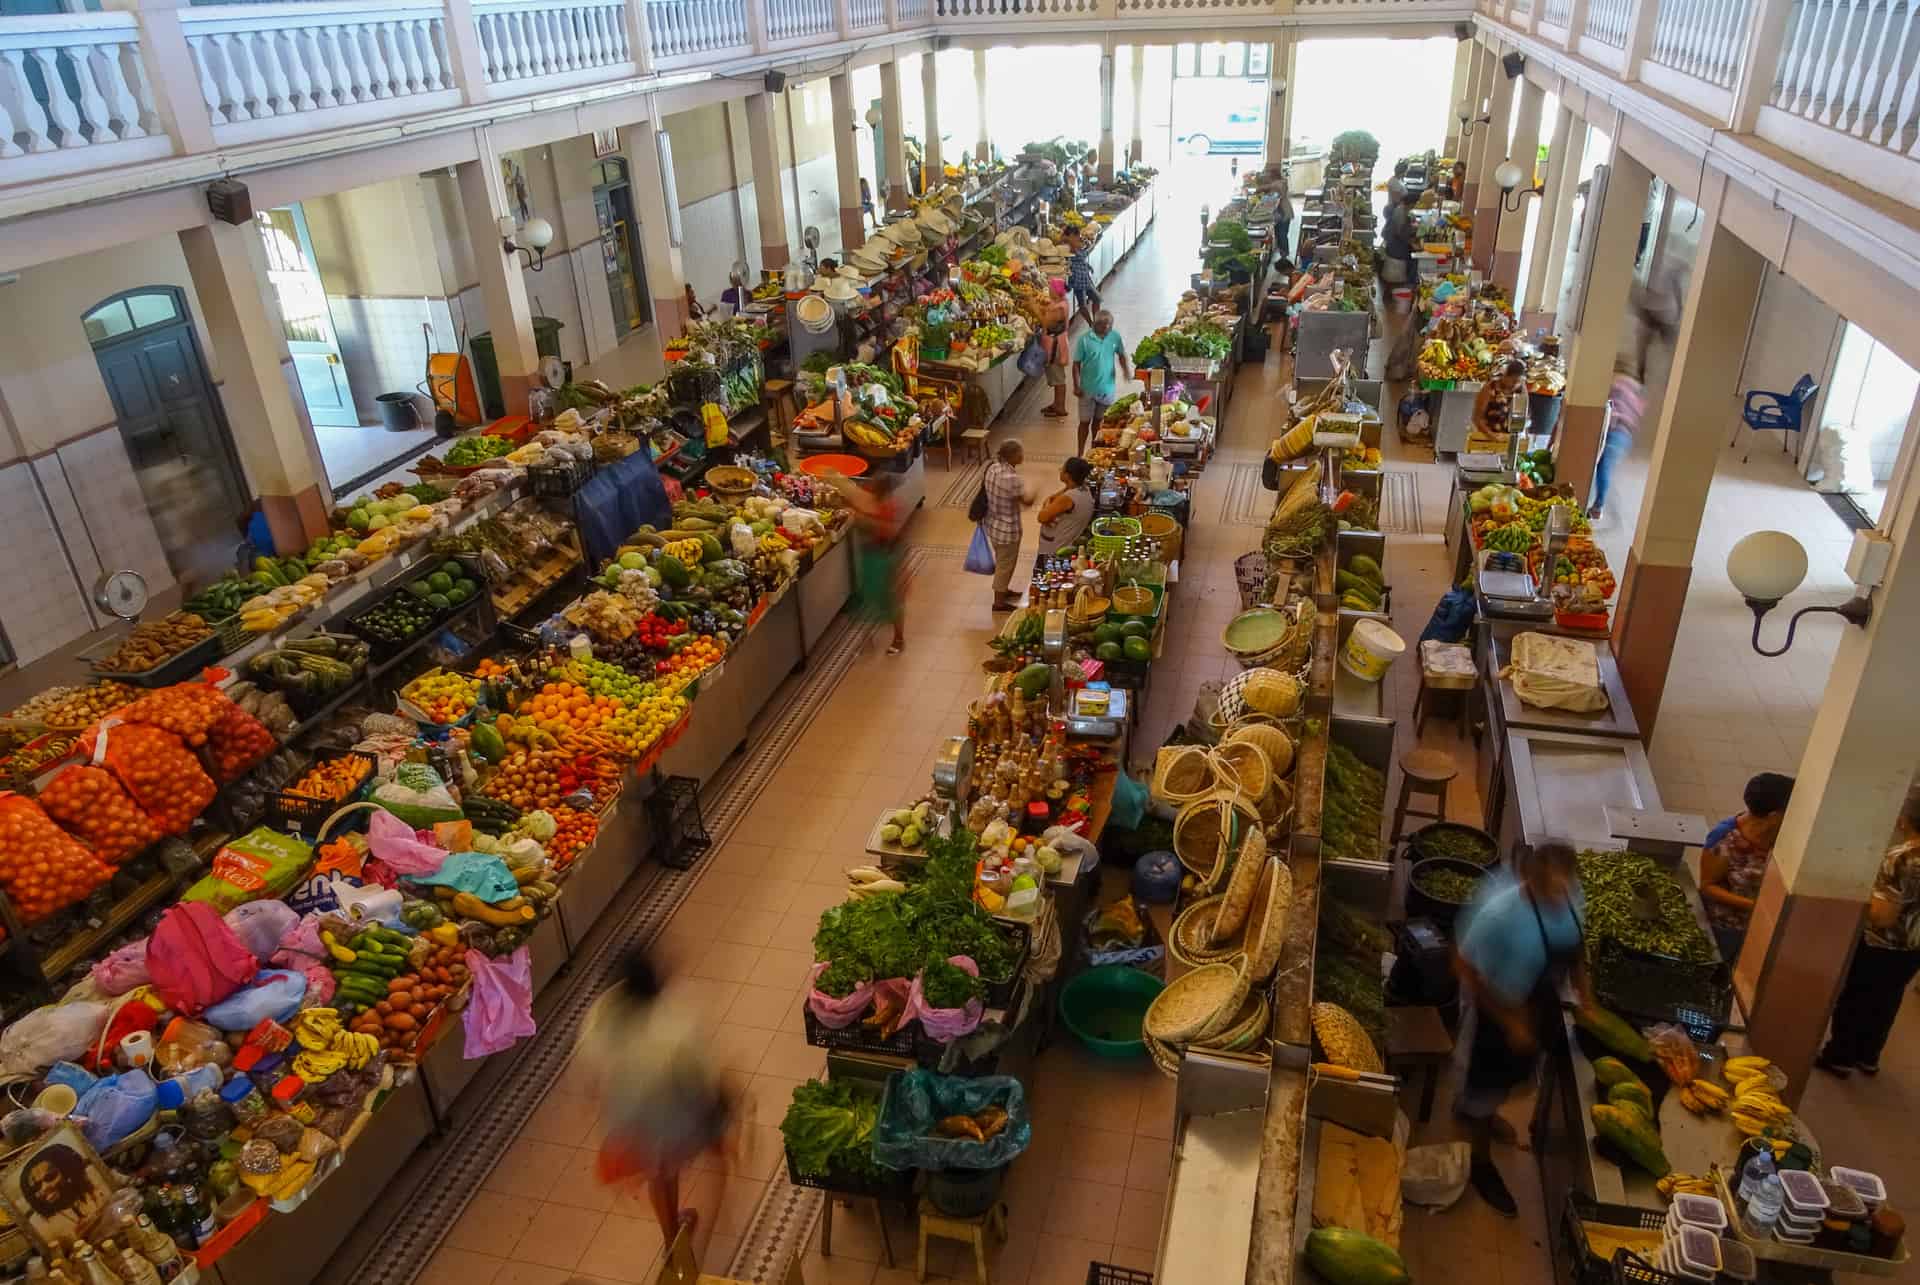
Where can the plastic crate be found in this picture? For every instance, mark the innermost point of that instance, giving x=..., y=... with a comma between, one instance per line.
x=858, y=1038
x=1584, y=1266
x=896, y=1184
x=182, y=665
x=1628, y=1268
x=1108, y=1274
x=680, y=835
x=558, y=481
x=1000, y=994
x=303, y=814
x=1658, y=988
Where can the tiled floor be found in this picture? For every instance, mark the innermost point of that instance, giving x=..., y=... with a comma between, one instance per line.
x=1091, y=1185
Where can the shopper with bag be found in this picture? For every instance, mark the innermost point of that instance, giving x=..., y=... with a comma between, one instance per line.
x=997, y=509
x=662, y=1099
x=1053, y=336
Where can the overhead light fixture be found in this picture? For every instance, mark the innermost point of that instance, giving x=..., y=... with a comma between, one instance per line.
x=528, y=240
x=873, y=117
x=1765, y=567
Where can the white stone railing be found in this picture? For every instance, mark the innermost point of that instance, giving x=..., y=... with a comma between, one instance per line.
x=1700, y=38
x=1556, y=12
x=914, y=13
x=527, y=39
x=92, y=90
x=794, y=19
x=866, y=13
x=258, y=62
x=683, y=29
x=1847, y=89
x=1607, y=22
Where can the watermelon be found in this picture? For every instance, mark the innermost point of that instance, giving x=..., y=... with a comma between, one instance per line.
x=1137, y=648
x=1135, y=629
x=1107, y=651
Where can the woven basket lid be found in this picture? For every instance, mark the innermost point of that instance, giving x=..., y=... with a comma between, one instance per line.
x=1344, y=1041
x=1248, y=1025
x=1266, y=928
x=1241, y=887
x=1272, y=741
x=1191, y=1004
x=1191, y=939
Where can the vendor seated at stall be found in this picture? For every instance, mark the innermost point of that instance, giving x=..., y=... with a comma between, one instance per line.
x=1736, y=856
x=1066, y=514
x=1490, y=406
x=1517, y=941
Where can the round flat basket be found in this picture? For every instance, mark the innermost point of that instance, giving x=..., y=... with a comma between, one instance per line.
x=1248, y=1025
x=1191, y=940
x=1229, y=1008
x=1181, y=774
x=1266, y=929
x=1207, y=829
x=1272, y=741
x=1165, y=1058
x=1343, y=1040
x=1237, y=901
x=729, y=479
x=1245, y=765
x=1256, y=632
x=1190, y=1006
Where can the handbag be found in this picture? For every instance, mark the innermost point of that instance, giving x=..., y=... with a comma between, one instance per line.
x=1033, y=359
x=977, y=511
x=980, y=553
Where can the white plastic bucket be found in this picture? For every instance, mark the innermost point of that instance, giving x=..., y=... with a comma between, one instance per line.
x=1370, y=649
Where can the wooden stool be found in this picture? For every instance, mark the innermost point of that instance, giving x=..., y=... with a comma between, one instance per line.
x=1417, y=1040
x=1422, y=772
x=778, y=398
x=973, y=445
x=972, y=1230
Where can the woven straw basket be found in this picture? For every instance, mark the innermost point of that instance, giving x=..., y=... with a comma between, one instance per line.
x=1241, y=886
x=1190, y=1007
x=1182, y=774
x=1244, y=766
x=1271, y=740
x=1344, y=1041
x=1206, y=832
x=1191, y=940
x=1266, y=928
x=1248, y=1025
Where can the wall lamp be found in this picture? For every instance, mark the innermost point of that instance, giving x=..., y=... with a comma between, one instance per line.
x=1468, y=120
x=1507, y=176
x=1765, y=567
x=528, y=240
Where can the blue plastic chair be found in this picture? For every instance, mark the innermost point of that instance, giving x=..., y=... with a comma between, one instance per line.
x=1776, y=412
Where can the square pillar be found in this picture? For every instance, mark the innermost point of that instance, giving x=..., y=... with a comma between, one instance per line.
x=503, y=288
x=1699, y=402
x=1511, y=236
x=1590, y=365
x=1107, y=144
x=982, y=149
x=933, y=165
x=1137, y=69
x=892, y=125
x=652, y=191
x=258, y=385
x=1541, y=295
x=1847, y=791
x=846, y=162
x=1479, y=85
x=775, y=242
x=1457, y=93
x=1277, y=98
x=1493, y=141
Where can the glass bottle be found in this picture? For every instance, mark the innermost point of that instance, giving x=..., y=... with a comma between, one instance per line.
x=196, y=1212
x=37, y=1269
x=133, y=1268
x=60, y=1271
x=157, y=1247
x=89, y=1270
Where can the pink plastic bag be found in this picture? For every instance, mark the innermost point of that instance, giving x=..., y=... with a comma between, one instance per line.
x=395, y=842
x=195, y=959
x=123, y=970
x=944, y=1025
x=839, y=1012
x=500, y=1012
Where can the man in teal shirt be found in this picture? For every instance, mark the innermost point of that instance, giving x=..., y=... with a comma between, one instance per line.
x=1093, y=361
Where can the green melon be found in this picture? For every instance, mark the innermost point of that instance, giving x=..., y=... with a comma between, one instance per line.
x=1137, y=648
x=1107, y=651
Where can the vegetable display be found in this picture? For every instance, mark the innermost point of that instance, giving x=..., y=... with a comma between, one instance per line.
x=42, y=868
x=1633, y=901
x=152, y=643
x=828, y=1129
x=161, y=774
x=877, y=938
x=1351, y=813
x=1453, y=886
x=477, y=449
x=88, y=802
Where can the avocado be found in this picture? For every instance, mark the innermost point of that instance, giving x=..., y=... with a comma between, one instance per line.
x=1108, y=651
x=1138, y=648
x=467, y=586
x=459, y=594
x=1034, y=679
x=439, y=601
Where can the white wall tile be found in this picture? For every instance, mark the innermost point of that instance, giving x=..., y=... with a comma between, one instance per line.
x=114, y=507
x=44, y=606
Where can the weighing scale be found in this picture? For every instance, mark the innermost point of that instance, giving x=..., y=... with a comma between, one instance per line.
x=1100, y=727
x=952, y=778
x=1053, y=650
x=1505, y=588
x=122, y=594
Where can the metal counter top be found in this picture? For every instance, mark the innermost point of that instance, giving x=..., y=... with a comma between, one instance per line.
x=1564, y=782
x=1616, y=720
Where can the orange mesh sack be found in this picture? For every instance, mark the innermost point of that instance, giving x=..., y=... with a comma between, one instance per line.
x=90, y=803
x=236, y=743
x=188, y=710
x=161, y=774
x=42, y=867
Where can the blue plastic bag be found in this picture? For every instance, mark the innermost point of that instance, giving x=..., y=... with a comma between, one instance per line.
x=917, y=1100
x=116, y=1106
x=1452, y=616
x=275, y=993
x=1033, y=359
x=1129, y=801
x=980, y=552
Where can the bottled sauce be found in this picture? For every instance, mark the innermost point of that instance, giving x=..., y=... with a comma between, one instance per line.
x=133, y=1268
x=207, y=1117
x=90, y=1270
x=1763, y=1209
x=157, y=1247
x=61, y=1272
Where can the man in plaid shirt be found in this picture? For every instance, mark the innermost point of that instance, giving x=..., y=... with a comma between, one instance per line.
x=1080, y=276
x=1007, y=496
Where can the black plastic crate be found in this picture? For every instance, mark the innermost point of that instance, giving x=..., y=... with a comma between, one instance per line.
x=680, y=835
x=859, y=1038
x=1000, y=994
x=558, y=481
x=896, y=1185
x=182, y=665
x=303, y=814
x=1108, y=1274
x=1647, y=988
x=1629, y=1268
x=1584, y=1267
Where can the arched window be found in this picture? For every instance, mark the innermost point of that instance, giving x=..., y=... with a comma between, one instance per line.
x=135, y=310
x=611, y=170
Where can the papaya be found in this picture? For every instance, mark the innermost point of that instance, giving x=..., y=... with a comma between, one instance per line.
x=1631, y=1132
x=1366, y=568
x=673, y=571
x=486, y=738
x=1614, y=1032
x=1632, y=1093
x=1610, y=1071
x=1344, y=1257
x=711, y=549
x=1034, y=679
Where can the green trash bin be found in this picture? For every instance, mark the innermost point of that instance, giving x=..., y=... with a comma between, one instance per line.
x=486, y=367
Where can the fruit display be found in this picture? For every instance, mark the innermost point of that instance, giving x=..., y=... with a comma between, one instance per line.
x=1343, y=1257
x=907, y=828
x=477, y=449
x=1631, y=1133
x=95, y=808
x=313, y=669
x=445, y=587
x=573, y=833
x=152, y=643
x=443, y=696
x=700, y=653
x=43, y=868
x=544, y=778
x=161, y=774
x=1361, y=584
x=236, y=743
x=74, y=707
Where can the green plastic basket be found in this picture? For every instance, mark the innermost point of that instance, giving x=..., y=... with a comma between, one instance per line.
x=1105, y=1006
x=1109, y=535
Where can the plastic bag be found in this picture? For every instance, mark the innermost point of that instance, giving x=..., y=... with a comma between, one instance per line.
x=123, y=970
x=58, y=1033
x=161, y=774
x=42, y=868
x=116, y=1106
x=259, y=864
x=93, y=805
x=275, y=995
x=744, y=544
x=260, y=925
x=1436, y=1175
x=1129, y=806
x=186, y=1044
x=500, y=1011
x=236, y=744
x=195, y=959
x=417, y=795
x=485, y=876
x=393, y=841
x=1069, y=843
x=1033, y=359
x=129, y=1018
x=187, y=710
x=1674, y=1052
x=980, y=552
x=917, y=1100
x=945, y=1025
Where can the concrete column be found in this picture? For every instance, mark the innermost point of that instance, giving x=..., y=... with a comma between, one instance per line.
x=1511, y=238
x=1536, y=301
x=982, y=149
x=171, y=72
x=258, y=386
x=846, y=162
x=892, y=126
x=1493, y=151
x=1277, y=98
x=1137, y=69
x=1590, y=365
x=1847, y=792
x=1462, y=83
x=1707, y=357
x=933, y=163
x=1476, y=133
x=1108, y=145
x=503, y=289
x=1290, y=67
x=666, y=272
x=776, y=245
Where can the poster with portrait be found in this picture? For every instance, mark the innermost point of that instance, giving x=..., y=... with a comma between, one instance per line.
x=55, y=1186
x=513, y=178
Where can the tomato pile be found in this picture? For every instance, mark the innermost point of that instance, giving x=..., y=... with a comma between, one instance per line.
x=541, y=778
x=574, y=831
x=657, y=633
x=163, y=776
x=43, y=868
x=89, y=802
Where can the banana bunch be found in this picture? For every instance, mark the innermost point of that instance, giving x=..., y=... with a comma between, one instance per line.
x=1704, y=1098
x=1684, y=1184
x=865, y=434
x=1739, y=1070
x=685, y=552
x=327, y=1047
x=871, y=881
x=1756, y=1107
x=771, y=543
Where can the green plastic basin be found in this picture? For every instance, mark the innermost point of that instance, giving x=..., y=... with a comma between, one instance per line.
x=1104, y=1007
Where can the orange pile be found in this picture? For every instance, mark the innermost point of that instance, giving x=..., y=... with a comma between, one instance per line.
x=562, y=707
